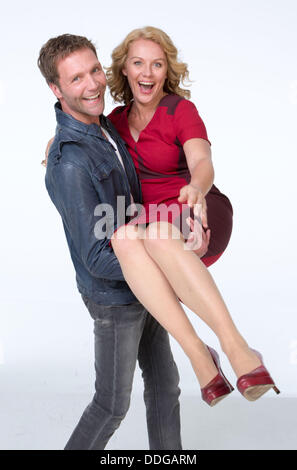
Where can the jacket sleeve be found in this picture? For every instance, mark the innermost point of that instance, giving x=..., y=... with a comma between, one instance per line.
x=77, y=199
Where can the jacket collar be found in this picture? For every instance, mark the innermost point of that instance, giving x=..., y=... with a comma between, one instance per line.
x=68, y=121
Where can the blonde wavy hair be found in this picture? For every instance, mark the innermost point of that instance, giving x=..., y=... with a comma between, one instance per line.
x=177, y=71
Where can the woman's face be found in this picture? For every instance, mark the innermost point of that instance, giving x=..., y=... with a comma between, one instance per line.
x=146, y=71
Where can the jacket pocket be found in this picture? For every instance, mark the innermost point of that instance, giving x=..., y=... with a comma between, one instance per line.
x=110, y=183
x=103, y=172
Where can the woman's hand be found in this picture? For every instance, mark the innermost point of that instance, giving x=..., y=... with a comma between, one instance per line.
x=44, y=162
x=198, y=239
x=193, y=196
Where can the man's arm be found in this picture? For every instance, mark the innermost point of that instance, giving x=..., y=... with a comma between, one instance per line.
x=77, y=199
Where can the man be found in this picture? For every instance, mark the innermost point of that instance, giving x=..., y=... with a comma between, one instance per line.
x=85, y=170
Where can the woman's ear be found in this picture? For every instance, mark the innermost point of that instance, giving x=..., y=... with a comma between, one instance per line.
x=124, y=72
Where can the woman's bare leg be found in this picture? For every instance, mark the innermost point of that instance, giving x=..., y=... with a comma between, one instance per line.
x=193, y=284
x=152, y=289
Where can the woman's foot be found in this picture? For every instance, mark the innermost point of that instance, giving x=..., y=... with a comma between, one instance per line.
x=204, y=366
x=219, y=387
x=242, y=359
x=257, y=382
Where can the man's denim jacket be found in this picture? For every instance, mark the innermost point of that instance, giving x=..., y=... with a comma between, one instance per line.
x=84, y=172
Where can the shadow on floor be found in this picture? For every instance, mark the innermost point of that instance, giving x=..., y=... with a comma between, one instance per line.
x=41, y=419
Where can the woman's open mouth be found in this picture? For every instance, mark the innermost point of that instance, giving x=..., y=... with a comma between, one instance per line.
x=146, y=87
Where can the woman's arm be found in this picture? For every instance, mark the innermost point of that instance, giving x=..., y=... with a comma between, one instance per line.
x=198, y=155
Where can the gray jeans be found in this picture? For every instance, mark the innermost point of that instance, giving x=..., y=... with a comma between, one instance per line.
x=123, y=334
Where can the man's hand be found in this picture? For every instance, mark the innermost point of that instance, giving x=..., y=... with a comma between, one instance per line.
x=198, y=239
x=44, y=162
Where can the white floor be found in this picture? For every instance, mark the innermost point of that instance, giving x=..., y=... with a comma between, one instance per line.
x=41, y=414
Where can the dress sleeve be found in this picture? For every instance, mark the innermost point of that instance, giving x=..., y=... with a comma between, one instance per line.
x=188, y=123
x=115, y=115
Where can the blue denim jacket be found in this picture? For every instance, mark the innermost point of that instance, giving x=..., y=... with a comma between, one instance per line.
x=83, y=171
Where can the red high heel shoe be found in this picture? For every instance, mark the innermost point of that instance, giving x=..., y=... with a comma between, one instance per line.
x=257, y=382
x=219, y=387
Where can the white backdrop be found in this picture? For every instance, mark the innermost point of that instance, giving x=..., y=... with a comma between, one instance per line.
x=242, y=60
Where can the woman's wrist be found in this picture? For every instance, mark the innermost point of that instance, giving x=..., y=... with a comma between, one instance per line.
x=196, y=186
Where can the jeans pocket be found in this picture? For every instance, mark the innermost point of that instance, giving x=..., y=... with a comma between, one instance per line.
x=101, y=314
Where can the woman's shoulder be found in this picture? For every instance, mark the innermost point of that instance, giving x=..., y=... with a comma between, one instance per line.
x=175, y=103
x=117, y=113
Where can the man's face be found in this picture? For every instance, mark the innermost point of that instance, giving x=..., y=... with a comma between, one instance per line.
x=82, y=84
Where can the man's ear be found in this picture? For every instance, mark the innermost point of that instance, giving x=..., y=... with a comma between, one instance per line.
x=56, y=90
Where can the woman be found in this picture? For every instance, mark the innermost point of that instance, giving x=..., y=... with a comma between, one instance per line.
x=168, y=143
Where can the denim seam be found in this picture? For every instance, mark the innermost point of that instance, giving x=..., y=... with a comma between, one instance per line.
x=114, y=366
x=155, y=396
x=101, y=430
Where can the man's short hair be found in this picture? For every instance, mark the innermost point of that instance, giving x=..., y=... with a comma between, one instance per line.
x=59, y=48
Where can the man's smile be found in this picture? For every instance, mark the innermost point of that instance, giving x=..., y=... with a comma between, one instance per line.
x=93, y=97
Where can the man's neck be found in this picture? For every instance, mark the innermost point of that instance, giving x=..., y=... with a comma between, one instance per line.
x=84, y=118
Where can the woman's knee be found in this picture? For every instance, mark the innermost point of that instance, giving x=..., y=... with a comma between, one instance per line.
x=124, y=240
x=160, y=235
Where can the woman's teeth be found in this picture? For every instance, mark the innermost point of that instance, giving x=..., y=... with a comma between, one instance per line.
x=146, y=85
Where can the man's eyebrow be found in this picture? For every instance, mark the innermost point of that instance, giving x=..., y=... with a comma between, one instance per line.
x=79, y=72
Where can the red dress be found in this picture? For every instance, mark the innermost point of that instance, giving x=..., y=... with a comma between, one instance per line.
x=162, y=169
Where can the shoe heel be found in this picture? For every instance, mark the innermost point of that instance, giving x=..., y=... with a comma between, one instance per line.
x=257, y=382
